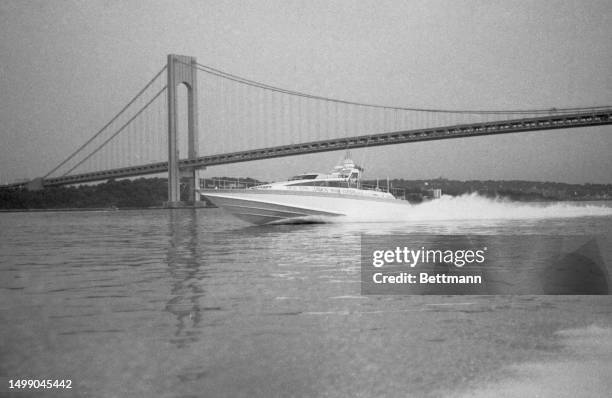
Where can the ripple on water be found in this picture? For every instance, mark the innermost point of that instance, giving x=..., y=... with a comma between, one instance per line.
x=192, y=301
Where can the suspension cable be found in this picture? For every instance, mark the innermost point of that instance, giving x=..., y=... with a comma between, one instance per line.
x=238, y=79
x=118, y=131
x=107, y=124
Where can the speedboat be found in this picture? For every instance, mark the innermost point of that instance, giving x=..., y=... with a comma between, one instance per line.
x=308, y=197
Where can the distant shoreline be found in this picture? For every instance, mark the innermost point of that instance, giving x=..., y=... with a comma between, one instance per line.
x=152, y=193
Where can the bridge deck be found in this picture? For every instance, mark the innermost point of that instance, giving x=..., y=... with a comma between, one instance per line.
x=549, y=122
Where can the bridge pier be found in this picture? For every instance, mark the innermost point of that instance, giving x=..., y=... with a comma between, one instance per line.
x=191, y=178
x=181, y=70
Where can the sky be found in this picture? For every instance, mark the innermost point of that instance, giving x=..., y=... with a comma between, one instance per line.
x=66, y=67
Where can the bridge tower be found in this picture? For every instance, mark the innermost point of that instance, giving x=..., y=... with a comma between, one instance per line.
x=181, y=70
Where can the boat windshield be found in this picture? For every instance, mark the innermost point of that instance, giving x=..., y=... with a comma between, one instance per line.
x=304, y=177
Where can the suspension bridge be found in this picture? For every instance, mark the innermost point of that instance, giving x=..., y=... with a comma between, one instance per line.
x=230, y=119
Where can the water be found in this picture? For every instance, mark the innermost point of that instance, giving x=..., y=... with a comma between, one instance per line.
x=194, y=303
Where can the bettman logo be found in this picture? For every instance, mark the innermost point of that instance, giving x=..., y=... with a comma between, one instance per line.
x=411, y=257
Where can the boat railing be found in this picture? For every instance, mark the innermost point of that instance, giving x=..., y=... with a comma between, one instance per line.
x=244, y=183
x=228, y=183
x=399, y=193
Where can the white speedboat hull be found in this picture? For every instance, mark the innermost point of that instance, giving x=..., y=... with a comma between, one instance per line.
x=282, y=206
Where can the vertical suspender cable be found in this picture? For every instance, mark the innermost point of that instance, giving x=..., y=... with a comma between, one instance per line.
x=117, y=132
x=107, y=124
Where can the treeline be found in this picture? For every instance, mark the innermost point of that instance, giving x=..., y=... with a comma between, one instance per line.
x=153, y=192
x=515, y=190
x=142, y=192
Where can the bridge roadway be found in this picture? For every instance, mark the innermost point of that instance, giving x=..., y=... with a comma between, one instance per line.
x=549, y=122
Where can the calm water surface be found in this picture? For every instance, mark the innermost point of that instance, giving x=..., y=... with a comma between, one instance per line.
x=193, y=303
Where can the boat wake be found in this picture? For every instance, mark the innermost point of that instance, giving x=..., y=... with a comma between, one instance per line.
x=476, y=207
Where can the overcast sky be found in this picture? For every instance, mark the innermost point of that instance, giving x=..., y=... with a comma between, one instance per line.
x=66, y=67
